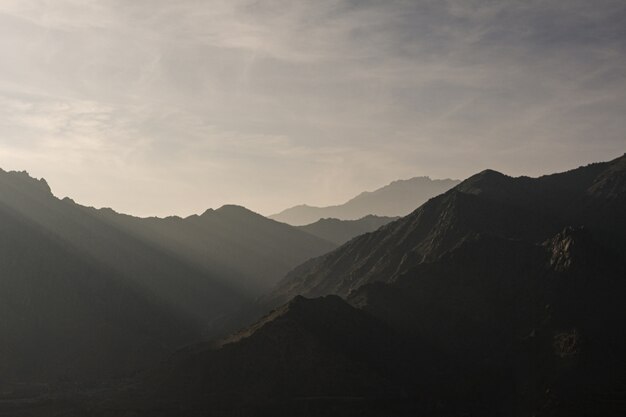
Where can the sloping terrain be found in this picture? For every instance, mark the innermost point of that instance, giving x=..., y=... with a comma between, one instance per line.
x=396, y=199
x=526, y=329
x=501, y=297
x=340, y=231
x=488, y=203
x=90, y=293
x=297, y=360
x=244, y=248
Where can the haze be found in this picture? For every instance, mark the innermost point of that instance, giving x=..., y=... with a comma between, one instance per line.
x=160, y=107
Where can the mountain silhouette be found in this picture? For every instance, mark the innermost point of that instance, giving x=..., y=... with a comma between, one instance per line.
x=501, y=297
x=244, y=248
x=488, y=203
x=87, y=294
x=396, y=199
x=340, y=231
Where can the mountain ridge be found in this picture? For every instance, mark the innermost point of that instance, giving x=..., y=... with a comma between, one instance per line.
x=398, y=198
x=341, y=231
x=110, y=278
x=484, y=203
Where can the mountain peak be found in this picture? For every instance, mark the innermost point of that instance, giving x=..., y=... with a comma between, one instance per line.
x=488, y=178
x=300, y=309
x=398, y=198
x=22, y=181
x=234, y=209
x=229, y=210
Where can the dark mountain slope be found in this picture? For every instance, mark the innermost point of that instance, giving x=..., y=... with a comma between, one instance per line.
x=305, y=354
x=396, y=199
x=89, y=293
x=539, y=328
x=503, y=297
x=493, y=327
x=341, y=231
x=243, y=247
x=84, y=300
x=487, y=203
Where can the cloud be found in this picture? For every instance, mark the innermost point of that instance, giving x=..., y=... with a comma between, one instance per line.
x=278, y=102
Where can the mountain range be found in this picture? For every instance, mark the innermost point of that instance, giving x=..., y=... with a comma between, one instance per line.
x=396, y=199
x=503, y=296
x=87, y=293
x=500, y=297
x=340, y=231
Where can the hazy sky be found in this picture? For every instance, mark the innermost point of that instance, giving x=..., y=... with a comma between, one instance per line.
x=158, y=107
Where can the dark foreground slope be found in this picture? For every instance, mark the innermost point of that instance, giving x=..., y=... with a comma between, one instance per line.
x=340, y=231
x=89, y=294
x=396, y=199
x=503, y=296
x=538, y=330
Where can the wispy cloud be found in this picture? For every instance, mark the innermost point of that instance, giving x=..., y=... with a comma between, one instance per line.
x=279, y=102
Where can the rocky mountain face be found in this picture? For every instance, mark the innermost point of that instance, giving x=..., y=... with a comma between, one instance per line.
x=489, y=203
x=86, y=293
x=535, y=330
x=396, y=199
x=504, y=296
x=340, y=231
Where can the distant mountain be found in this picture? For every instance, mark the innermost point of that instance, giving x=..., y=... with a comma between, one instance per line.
x=396, y=199
x=88, y=293
x=340, y=231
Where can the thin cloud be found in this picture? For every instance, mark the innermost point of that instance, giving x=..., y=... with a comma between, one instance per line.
x=281, y=102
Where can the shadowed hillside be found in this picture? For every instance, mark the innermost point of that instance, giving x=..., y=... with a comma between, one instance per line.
x=502, y=297
x=91, y=293
x=488, y=203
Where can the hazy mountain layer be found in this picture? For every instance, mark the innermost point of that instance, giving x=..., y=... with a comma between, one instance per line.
x=90, y=293
x=501, y=297
x=495, y=306
x=340, y=231
x=245, y=249
x=396, y=199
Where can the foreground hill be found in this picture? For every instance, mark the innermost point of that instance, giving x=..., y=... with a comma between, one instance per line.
x=340, y=231
x=496, y=327
x=501, y=297
x=90, y=293
x=396, y=199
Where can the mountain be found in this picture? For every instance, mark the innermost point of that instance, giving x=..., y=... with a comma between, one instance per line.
x=522, y=329
x=246, y=249
x=501, y=297
x=488, y=203
x=305, y=350
x=494, y=327
x=89, y=294
x=340, y=231
x=396, y=199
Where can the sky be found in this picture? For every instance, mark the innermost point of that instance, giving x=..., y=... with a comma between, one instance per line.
x=160, y=107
